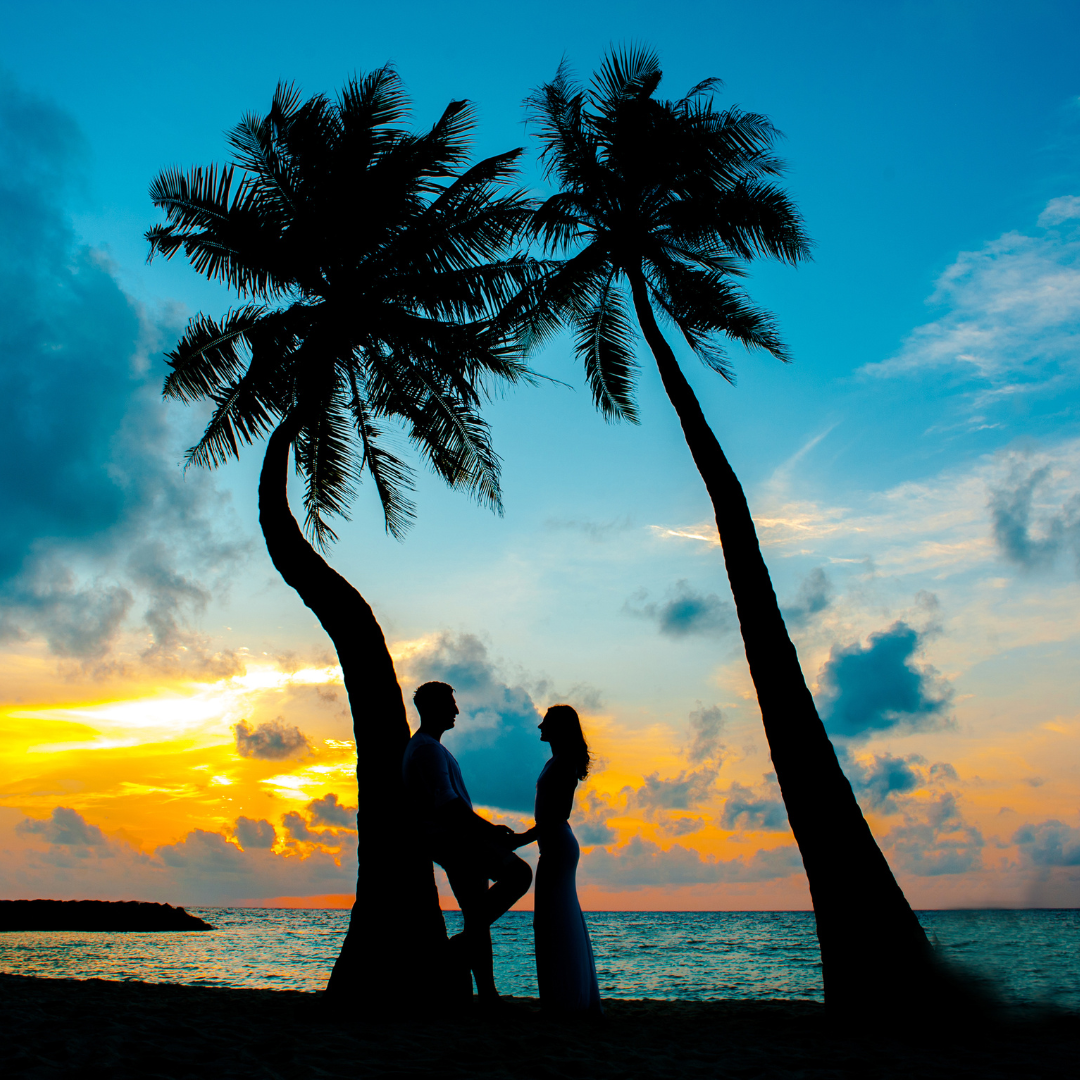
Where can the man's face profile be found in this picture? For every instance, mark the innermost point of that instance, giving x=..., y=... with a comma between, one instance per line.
x=440, y=710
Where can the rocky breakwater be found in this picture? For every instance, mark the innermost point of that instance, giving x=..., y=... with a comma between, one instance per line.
x=128, y=915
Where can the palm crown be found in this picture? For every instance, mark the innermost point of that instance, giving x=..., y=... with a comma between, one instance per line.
x=374, y=265
x=676, y=191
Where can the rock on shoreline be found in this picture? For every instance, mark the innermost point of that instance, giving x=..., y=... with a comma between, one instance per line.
x=125, y=915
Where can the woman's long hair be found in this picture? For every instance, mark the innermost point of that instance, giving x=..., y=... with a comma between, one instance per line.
x=565, y=728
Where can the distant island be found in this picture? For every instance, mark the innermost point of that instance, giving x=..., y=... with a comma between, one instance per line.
x=124, y=915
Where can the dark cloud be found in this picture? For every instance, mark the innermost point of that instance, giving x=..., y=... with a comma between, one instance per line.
x=750, y=811
x=641, y=862
x=1050, y=843
x=591, y=820
x=683, y=792
x=935, y=839
x=877, y=784
x=297, y=829
x=878, y=687
x=1021, y=539
x=204, y=868
x=273, y=740
x=202, y=850
x=255, y=834
x=815, y=595
x=67, y=334
x=706, y=726
x=328, y=811
x=685, y=612
x=495, y=740
x=77, y=621
x=99, y=524
x=65, y=827
x=683, y=826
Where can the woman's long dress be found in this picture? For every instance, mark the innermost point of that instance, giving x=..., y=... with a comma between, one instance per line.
x=565, y=969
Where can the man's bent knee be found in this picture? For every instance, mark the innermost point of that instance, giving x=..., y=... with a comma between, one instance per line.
x=518, y=874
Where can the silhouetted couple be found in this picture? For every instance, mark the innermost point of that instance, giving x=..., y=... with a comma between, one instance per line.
x=474, y=852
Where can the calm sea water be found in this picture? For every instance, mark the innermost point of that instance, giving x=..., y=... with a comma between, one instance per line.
x=1032, y=956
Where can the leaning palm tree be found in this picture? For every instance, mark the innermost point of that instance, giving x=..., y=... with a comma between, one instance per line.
x=372, y=261
x=669, y=201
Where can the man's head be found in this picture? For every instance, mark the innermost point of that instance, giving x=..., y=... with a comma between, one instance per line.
x=435, y=703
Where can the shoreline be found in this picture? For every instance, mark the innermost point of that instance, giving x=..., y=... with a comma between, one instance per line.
x=60, y=1027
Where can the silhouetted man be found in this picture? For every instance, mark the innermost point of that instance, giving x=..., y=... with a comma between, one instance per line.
x=471, y=850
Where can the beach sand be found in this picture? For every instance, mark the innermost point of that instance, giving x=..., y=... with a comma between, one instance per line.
x=69, y=1028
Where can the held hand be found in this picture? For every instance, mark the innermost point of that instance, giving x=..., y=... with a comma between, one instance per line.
x=525, y=838
x=504, y=836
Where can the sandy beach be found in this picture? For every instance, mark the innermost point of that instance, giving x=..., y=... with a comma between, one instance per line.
x=67, y=1027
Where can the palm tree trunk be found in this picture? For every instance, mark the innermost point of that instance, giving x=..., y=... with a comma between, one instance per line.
x=396, y=944
x=873, y=950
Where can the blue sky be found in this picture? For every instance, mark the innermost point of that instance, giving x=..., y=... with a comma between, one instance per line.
x=914, y=472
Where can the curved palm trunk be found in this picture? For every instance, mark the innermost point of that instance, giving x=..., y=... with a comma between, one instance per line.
x=395, y=948
x=873, y=950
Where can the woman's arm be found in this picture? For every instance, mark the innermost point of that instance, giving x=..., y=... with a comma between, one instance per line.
x=523, y=839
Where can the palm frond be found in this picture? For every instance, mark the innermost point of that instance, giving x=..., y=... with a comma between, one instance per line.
x=383, y=262
x=209, y=354
x=628, y=72
x=604, y=339
x=704, y=304
x=325, y=461
x=392, y=476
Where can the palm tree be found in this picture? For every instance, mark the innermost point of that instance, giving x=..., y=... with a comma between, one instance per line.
x=371, y=261
x=670, y=200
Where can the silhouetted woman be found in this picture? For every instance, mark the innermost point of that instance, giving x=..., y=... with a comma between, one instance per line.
x=565, y=969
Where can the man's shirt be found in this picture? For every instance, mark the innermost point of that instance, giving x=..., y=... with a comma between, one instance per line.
x=432, y=779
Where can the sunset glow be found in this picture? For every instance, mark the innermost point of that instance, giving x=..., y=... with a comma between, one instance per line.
x=173, y=722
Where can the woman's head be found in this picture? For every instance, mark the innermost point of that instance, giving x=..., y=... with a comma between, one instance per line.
x=562, y=729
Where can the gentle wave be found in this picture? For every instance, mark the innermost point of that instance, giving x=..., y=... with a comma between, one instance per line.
x=1032, y=957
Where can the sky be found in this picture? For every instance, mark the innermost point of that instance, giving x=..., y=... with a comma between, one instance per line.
x=172, y=723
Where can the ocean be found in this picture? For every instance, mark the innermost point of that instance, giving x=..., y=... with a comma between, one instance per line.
x=1031, y=957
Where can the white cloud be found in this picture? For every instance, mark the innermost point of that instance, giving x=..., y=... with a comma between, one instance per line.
x=1061, y=209
x=1013, y=317
x=933, y=528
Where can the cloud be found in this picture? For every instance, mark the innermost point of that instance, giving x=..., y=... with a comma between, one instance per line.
x=1050, y=843
x=877, y=784
x=99, y=523
x=935, y=839
x=640, y=862
x=596, y=531
x=1019, y=538
x=273, y=740
x=298, y=829
x=815, y=596
x=1013, y=318
x=77, y=621
x=591, y=820
x=878, y=687
x=1064, y=208
x=204, y=868
x=495, y=739
x=203, y=851
x=255, y=834
x=64, y=827
x=706, y=725
x=685, y=612
x=683, y=792
x=748, y=811
x=328, y=811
